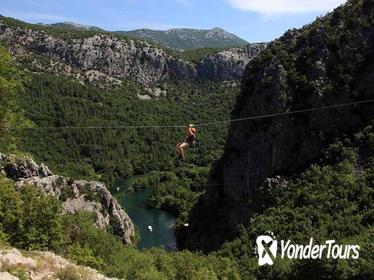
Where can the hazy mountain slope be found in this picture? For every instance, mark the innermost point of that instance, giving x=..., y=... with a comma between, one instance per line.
x=67, y=26
x=187, y=39
x=327, y=62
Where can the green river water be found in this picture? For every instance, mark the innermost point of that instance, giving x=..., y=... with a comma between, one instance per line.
x=162, y=222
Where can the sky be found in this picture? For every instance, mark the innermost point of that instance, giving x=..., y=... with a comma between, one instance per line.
x=252, y=20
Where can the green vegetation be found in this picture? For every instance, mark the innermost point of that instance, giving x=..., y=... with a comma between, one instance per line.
x=18, y=271
x=53, y=104
x=29, y=219
x=188, y=39
x=68, y=273
x=103, y=251
x=175, y=191
x=198, y=54
x=333, y=199
x=112, y=153
x=10, y=85
x=71, y=26
x=34, y=221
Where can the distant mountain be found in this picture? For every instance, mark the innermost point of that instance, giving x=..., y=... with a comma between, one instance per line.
x=177, y=39
x=72, y=26
x=187, y=39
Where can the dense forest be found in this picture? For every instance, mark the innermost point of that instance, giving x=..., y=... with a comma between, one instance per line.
x=31, y=220
x=333, y=198
x=58, y=106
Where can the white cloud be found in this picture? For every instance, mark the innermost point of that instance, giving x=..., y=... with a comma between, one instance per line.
x=271, y=7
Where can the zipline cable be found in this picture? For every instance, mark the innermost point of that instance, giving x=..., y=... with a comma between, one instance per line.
x=289, y=112
x=198, y=125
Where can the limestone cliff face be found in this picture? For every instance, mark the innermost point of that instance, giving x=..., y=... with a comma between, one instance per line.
x=76, y=196
x=105, y=60
x=229, y=64
x=112, y=56
x=328, y=62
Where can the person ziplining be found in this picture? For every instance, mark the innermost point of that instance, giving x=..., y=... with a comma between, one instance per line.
x=187, y=142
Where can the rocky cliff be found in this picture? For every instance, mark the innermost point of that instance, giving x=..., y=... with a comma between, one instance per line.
x=76, y=196
x=105, y=60
x=112, y=56
x=228, y=64
x=328, y=62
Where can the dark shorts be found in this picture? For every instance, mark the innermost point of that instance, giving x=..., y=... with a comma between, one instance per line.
x=190, y=140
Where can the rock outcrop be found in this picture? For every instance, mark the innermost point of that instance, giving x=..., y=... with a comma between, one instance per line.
x=229, y=64
x=118, y=58
x=326, y=63
x=75, y=195
x=41, y=265
x=105, y=60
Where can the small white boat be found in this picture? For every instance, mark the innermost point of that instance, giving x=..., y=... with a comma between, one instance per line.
x=186, y=225
x=150, y=229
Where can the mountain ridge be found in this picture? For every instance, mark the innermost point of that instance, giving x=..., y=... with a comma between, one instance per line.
x=188, y=38
x=72, y=25
x=179, y=39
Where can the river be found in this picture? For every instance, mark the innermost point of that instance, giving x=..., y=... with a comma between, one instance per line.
x=162, y=222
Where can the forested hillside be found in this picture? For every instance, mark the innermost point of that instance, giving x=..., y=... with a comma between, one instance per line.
x=63, y=112
x=331, y=199
x=299, y=175
x=324, y=63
